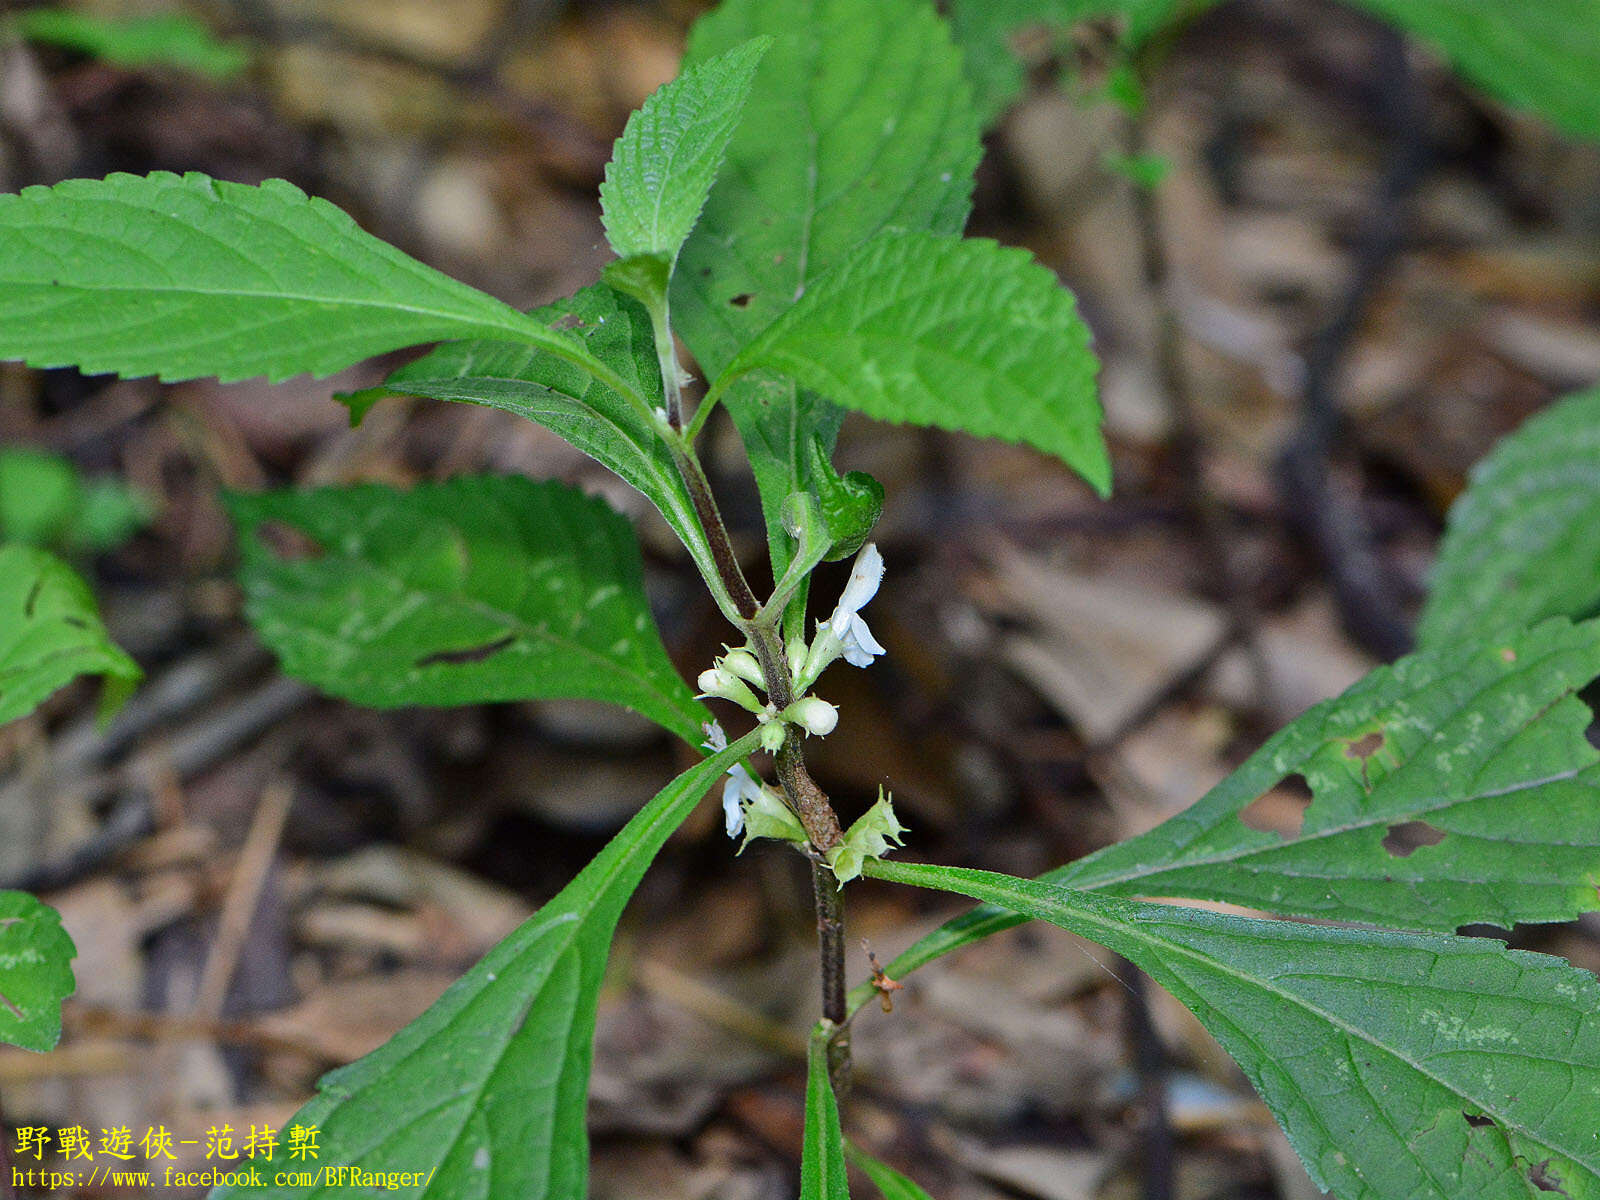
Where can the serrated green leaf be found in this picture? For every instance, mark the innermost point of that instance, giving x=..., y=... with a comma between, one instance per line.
x=36, y=956
x=889, y=1182
x=161, y=40
x=486, y=1091
x=1482, y=743
x=1542, y=57
x=959, y=333
x=667, y=158
x=859, y=120
x=822, y=1174
x=45, y=502
x=50, y=631
x=188, y=276
x=1523, y=541
x=568, y=401
x=475, y=590
x=1425, y=1066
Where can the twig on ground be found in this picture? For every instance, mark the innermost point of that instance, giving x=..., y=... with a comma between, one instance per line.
x=1331, y=519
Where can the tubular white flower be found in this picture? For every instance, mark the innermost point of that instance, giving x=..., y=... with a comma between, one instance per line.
x=741, y=787
x=856, y=642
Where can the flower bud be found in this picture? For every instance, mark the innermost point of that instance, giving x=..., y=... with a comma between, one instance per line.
x=814, y=715
x=743, y=664
x=719, y=683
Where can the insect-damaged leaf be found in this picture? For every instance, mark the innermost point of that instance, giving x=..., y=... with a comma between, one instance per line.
x=1425, y=1066
x=485, y=1093
x=1482, y=744
x=474, y=590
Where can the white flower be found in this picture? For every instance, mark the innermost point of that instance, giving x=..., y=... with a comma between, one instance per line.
x=857, y=644
x=740, y=788
x=716, y=737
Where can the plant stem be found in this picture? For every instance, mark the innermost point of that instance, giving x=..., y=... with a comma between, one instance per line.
x=729, y=575
x=830, y=938
x=667, y=359
x=808, y=801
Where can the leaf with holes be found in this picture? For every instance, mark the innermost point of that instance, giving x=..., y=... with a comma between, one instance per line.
x=187, y=276
x=959, y=333
x=859, y=120
x=1452, y=788
x=1524, y=539
x=36, y=956
x=822, y=1175
x=1425, y=1066
x=567, y=400
x=50, y=633
x=485, y=1093
x=667, y=158
x=474, y=590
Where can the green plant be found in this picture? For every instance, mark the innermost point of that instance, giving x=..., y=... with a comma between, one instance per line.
x=791, y=207
x=50, y=633
x=173, y=40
